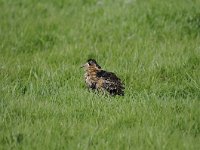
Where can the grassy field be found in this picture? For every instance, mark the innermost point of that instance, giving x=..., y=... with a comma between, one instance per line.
x=153, y=45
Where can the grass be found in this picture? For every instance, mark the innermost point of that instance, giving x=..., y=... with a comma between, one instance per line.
x=152, y=45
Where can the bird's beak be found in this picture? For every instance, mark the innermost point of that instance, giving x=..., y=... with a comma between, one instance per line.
x=83, y=66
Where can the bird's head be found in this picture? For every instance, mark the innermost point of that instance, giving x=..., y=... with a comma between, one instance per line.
x=91, y=63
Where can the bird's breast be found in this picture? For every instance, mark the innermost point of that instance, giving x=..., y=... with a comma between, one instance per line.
x=90, y=79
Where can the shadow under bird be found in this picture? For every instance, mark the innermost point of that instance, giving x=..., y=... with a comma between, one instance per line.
x=101, y=80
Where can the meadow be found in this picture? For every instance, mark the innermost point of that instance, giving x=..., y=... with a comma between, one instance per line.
x=152, y=45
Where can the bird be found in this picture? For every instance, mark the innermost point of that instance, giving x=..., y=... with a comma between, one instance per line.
x=100, y=80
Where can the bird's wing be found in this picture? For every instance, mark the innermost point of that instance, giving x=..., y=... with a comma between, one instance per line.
x=110, y=79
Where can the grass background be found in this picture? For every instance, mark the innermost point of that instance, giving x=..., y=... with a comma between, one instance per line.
x=153, y=45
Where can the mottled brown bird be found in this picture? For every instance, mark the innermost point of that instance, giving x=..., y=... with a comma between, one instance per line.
x=100, y=80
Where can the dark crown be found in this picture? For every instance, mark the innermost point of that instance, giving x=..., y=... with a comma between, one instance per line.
x=93, y=61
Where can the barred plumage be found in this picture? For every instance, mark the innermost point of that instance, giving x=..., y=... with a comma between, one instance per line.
x=101, y=80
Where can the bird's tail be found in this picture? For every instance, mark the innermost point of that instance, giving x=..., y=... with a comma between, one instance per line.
x=115, y=89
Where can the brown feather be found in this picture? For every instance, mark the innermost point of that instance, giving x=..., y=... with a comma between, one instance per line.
x=98, y=79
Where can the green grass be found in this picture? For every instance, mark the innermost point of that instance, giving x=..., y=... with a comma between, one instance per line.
x=153, y=45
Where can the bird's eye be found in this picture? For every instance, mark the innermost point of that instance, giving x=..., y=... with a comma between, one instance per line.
x=90, y=63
